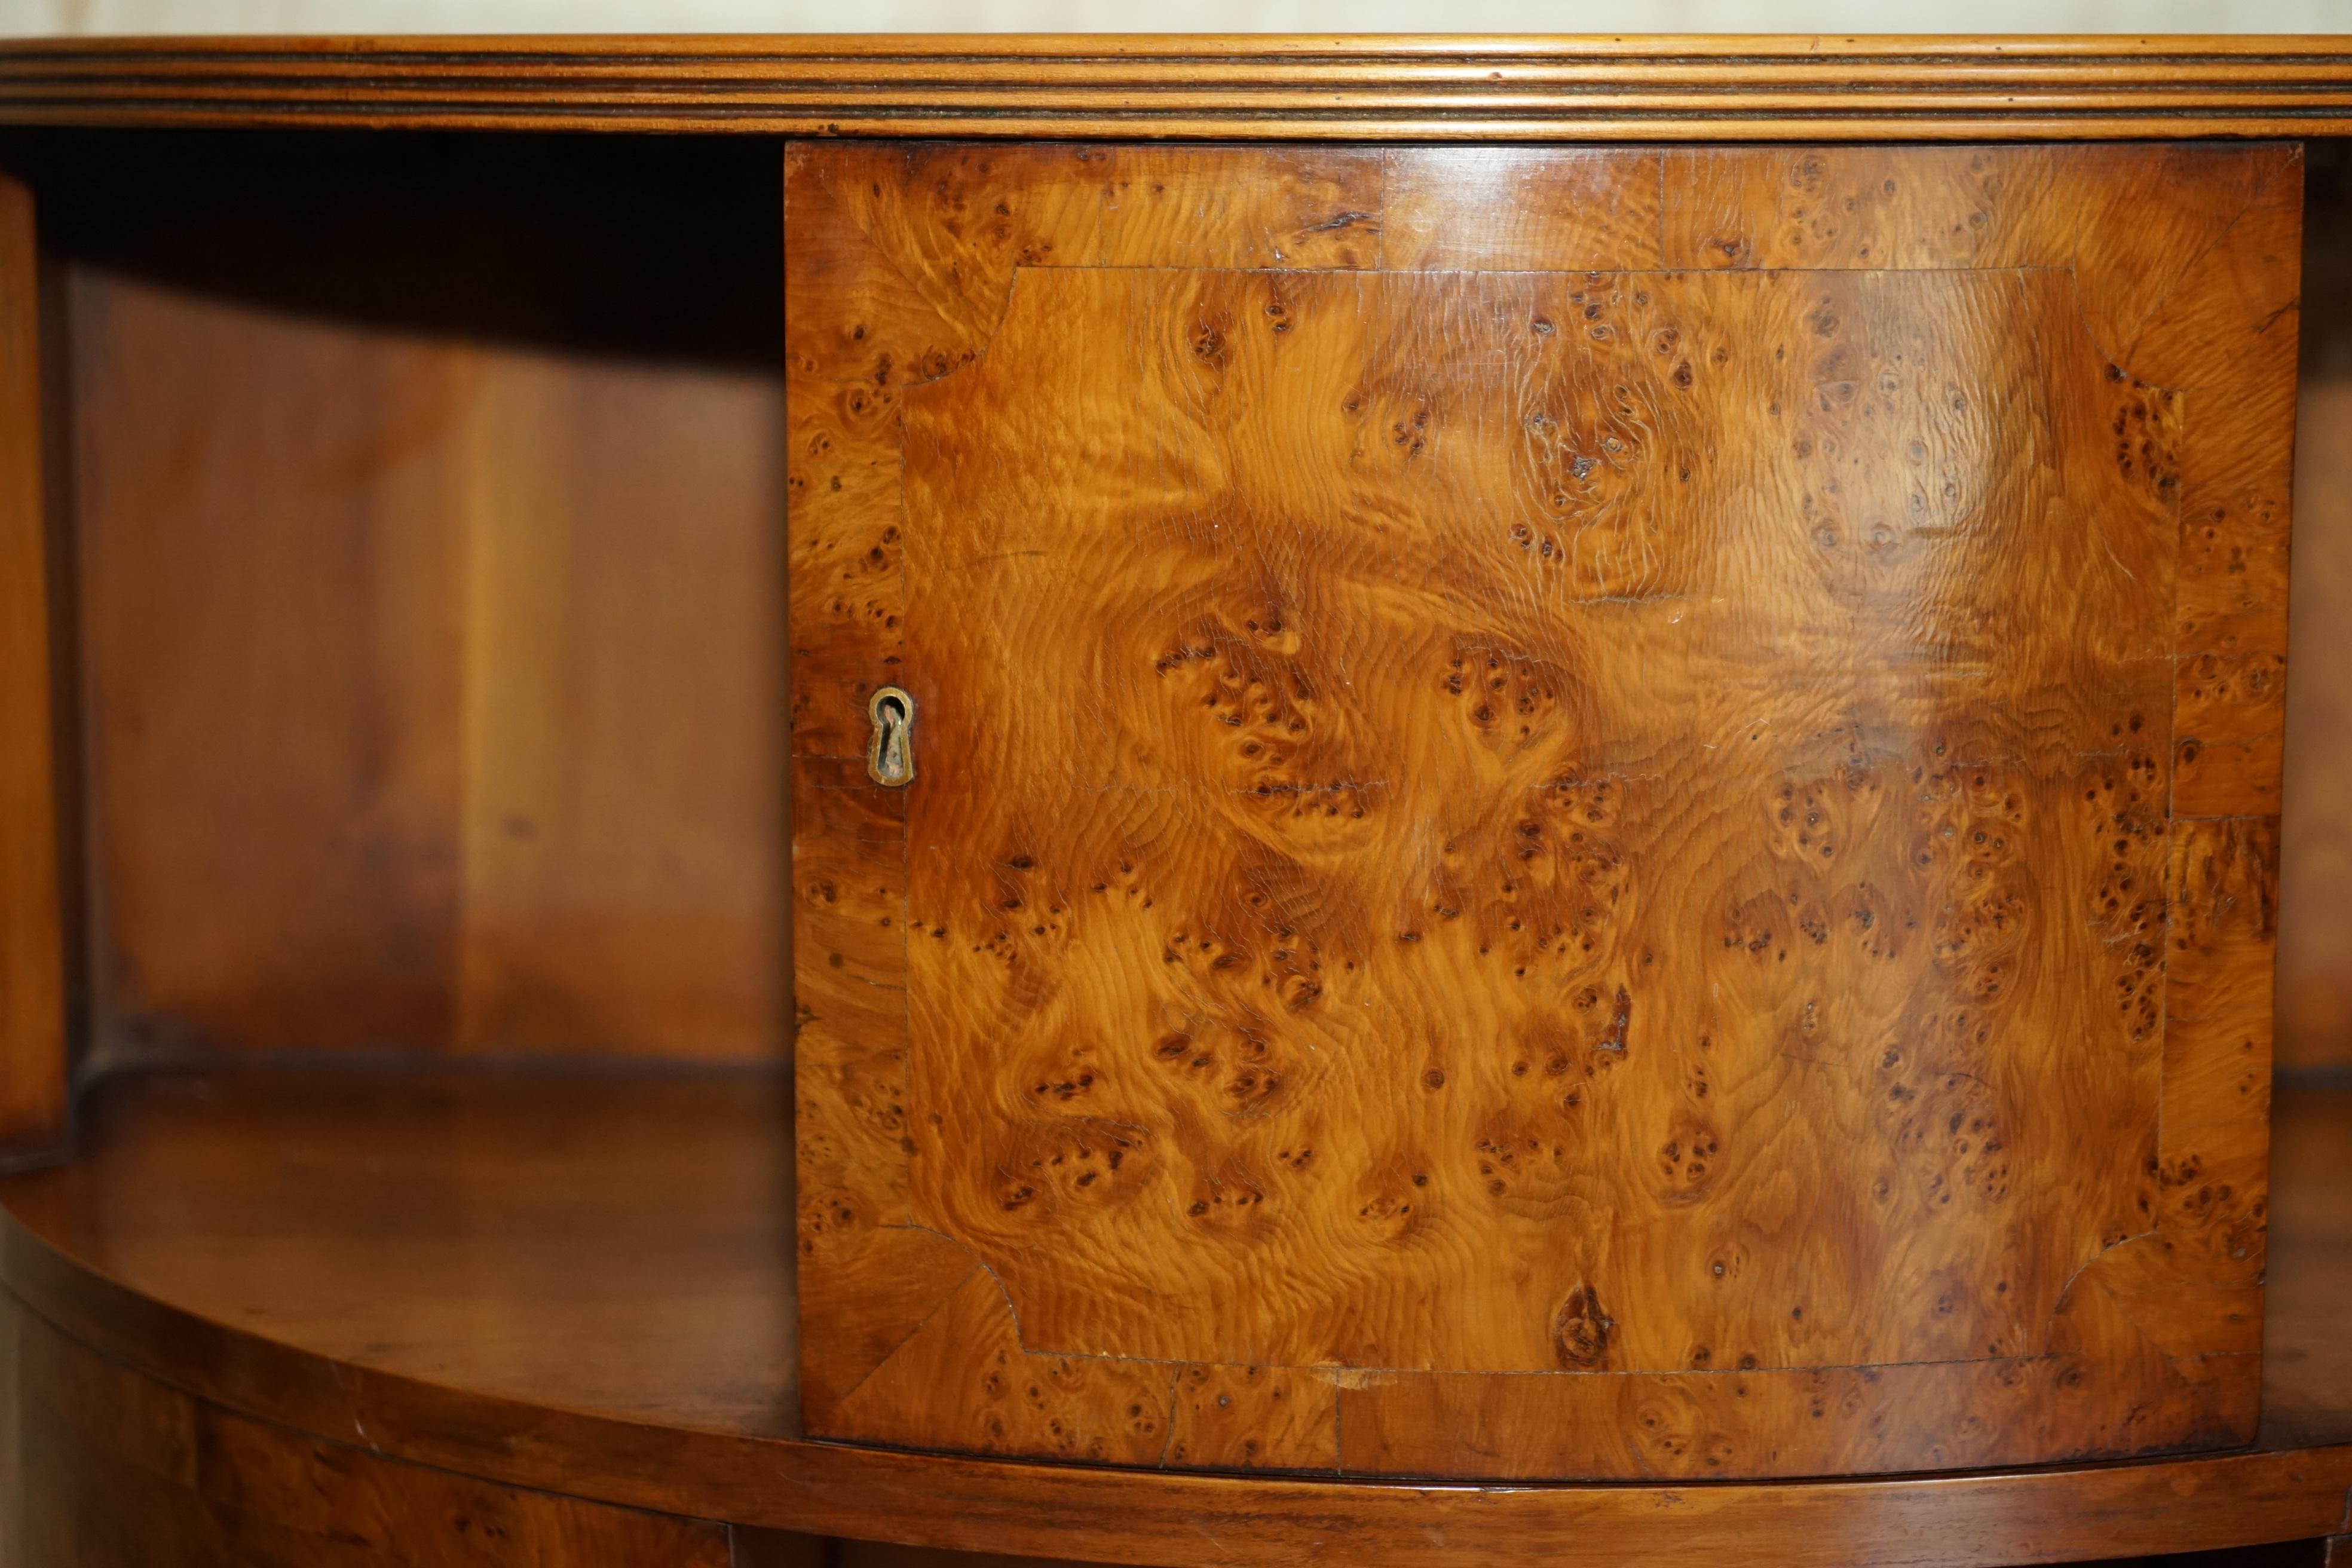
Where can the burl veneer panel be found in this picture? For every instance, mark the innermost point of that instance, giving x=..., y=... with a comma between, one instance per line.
x=1578, y=814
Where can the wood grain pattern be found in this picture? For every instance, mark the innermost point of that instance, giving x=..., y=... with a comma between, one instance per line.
x=433, y=687
x=579, y=1287
x=32, y=937
x=559, y=1169
x=866, y=322
x=1522, y=209
x=1571, y=844
x=1258, y=87
x=106, y=1468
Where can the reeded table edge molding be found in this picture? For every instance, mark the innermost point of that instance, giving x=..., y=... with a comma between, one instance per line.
x=2069, y=1513
x=1232, y=87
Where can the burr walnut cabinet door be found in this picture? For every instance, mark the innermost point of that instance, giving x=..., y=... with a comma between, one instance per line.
x=1573, y=813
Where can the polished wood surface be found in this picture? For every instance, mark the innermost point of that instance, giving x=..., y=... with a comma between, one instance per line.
x=102, y=1468
x=1257, y=86
x=580, y=1287
x=693, y=1171
x=32, y=948
x=1641, y=846
x=433, y=686
x=576, y=1299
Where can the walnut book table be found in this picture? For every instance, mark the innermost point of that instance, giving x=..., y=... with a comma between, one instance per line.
x=1164, y=800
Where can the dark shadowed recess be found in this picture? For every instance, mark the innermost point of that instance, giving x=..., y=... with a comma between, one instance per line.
x=2327, y=342
x=775, y=1548
x=2281, y=1554
x=661, y=247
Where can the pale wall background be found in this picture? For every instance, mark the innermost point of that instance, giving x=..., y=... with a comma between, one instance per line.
x=46, y=16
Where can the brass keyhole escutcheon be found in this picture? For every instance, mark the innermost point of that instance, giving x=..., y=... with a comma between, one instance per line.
x=890, y=755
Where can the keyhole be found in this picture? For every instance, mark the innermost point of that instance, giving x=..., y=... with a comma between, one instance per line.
x=891, y=759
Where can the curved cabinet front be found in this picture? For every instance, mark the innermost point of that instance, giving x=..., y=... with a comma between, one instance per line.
x=1577, y=814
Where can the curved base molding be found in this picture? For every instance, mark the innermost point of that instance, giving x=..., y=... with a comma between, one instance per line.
x=584, y=1288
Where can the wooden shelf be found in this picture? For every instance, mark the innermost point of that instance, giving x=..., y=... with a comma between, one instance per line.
x=585, y=1285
